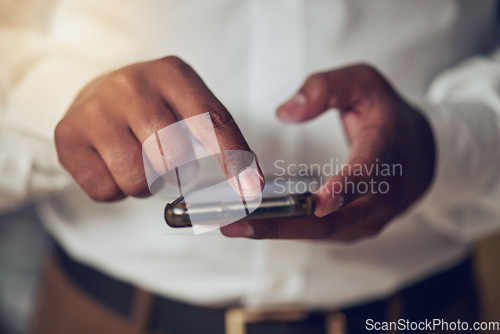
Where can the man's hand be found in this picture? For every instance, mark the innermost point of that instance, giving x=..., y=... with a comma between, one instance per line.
x=99, y=139
x=383, y=129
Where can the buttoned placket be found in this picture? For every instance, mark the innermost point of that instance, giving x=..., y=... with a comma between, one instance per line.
x=276, y=70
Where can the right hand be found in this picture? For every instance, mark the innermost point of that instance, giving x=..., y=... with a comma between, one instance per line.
x=99, y=139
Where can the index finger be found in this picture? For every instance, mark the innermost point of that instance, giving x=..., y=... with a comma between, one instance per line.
x=186, y=94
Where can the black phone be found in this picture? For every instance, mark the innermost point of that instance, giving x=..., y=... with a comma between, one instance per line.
x=180, y=214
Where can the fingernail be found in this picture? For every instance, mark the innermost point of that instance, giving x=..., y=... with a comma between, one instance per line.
x=290, y=110
x=337, y=202
x=325, y=207
x=250, y=181
x=239, y=229
x=249, y=231
x=299, y=99
x=320, y=209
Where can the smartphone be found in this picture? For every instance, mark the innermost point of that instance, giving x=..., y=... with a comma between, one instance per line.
x=179, y=214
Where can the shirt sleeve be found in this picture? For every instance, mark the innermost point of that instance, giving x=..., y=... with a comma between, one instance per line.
x=464, y=113
x=49, y=51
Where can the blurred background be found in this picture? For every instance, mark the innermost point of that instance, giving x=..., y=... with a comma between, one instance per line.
x=23, y=244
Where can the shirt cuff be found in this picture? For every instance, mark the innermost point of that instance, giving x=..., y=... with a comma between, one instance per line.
x=36, y=104
x=466, y=137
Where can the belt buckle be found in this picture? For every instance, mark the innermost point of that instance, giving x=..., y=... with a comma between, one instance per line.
x=237, y=318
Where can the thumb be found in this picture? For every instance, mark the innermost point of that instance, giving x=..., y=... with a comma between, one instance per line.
x=310, y=101
x=358, y=178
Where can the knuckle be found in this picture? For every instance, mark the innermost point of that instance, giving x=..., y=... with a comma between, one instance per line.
x=154, y=122
x=137, y=187
x=370, y=73
x=128, y=81
x=175, y=65
x=367, y=69
x=93, y=108
x=172, y=60
x=128, y=168
x=62, y=131
x=318, y=80
x=221, y=118
x=103, y=191
x=203, y=127
x=270, y=231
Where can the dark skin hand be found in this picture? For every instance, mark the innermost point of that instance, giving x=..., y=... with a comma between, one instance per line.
x=382, y=128
x=99, y=140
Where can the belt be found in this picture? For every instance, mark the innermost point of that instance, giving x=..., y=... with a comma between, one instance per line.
x=177, y=317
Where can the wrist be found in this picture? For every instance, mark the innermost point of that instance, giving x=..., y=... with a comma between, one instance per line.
x=424, y=163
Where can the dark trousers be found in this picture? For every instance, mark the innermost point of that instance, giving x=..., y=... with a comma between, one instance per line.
x=74, y=298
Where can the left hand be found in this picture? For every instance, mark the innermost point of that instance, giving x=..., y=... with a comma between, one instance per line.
x=383, y=129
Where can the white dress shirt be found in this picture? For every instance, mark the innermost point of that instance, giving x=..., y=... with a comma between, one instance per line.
x=255, y=54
